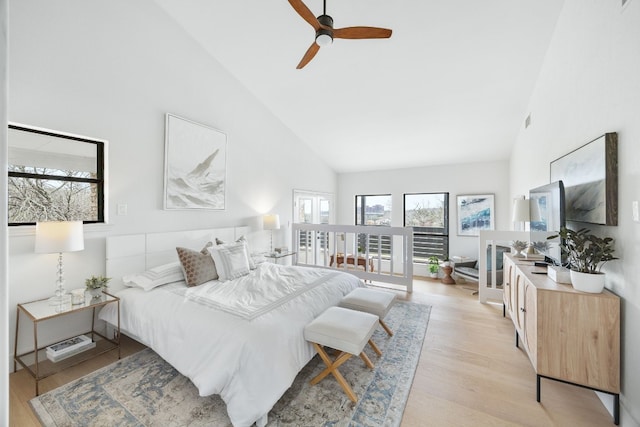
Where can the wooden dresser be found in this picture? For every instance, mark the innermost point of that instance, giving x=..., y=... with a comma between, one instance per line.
x=569, y=336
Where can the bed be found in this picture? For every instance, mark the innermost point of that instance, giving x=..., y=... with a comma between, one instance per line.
x=241, y=338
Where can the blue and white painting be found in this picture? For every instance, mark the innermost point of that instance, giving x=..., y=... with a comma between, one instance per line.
x=475, y=213
x=195, y=165
x=584, y=175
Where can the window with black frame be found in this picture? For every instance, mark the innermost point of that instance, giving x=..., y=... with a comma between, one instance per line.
x=54, y=177
x=428, y=214
x=374, y=210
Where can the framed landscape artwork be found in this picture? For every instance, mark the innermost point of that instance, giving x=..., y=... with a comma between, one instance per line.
x=195, y=165
x=475, y=213
x=590, y=178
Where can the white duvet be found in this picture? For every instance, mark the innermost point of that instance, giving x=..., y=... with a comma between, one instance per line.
x=242, y=339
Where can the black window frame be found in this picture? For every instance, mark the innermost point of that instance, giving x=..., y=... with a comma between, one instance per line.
x=429, y=236
x=373, y=241
x=100, y=172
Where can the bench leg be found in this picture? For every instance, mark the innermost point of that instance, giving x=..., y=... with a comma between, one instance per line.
x=386, y=328
x=375, y=348
x=332, y=368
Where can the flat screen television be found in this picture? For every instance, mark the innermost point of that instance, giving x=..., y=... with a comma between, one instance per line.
x=546, y=217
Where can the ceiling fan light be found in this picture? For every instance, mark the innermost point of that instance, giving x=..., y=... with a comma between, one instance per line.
x=324, y=40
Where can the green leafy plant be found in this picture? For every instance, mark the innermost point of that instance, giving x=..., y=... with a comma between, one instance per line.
x=434, y=264
x=96, y=282
x=586, y=253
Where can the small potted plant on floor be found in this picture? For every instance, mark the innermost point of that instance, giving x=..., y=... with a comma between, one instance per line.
x=586, y=253
x=434, y=267
x=96, y=284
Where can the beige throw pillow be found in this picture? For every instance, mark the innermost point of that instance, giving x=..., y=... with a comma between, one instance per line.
x=198, y=266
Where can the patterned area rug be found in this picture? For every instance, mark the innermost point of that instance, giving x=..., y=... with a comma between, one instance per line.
x=144, y=390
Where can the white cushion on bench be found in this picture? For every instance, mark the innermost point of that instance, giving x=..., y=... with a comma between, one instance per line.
x=343, y=329
x=369, y=300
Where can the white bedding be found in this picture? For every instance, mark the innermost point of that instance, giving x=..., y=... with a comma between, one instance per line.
x=241, y=339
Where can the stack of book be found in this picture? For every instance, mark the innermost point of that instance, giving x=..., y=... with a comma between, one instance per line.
x=69, y=347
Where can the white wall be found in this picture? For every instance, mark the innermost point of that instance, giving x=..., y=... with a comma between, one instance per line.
x=112, y=70
x=468, y=178
x=590, y=85
x=4, y=277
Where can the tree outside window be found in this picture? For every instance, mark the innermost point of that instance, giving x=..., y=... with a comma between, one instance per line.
x=428, y=214
x=54, y=177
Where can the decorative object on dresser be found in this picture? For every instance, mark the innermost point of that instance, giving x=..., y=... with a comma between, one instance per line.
x=58, y=237
x=590, y=177
x=519, y=246
x=569, y=336
x=195, y=165
x=475, y=213
x=586, y=254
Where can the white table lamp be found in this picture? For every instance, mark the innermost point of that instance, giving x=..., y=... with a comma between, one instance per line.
x=271, y=222
x=520, y=211
x=58, y=237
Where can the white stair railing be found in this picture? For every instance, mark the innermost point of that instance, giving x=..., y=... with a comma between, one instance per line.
x=381, y=254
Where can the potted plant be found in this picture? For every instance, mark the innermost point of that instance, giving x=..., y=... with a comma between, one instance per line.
x=519, y=246
x=434, y=266
x=586, y=254
x=541, y=246
x=96, y=284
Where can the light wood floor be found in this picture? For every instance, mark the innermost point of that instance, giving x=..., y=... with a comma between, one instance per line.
x=470, y=372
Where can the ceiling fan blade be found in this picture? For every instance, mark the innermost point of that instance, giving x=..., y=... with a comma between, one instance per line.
x=308, y=56
x=305, y=13
x=361, y=33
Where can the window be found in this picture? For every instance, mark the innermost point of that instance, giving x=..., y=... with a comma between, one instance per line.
x=374, y=210
x=428, y=214
x=54, y=177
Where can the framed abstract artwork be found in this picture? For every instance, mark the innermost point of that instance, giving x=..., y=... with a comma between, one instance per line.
x=590, y=178
x=475, y=213
x=195, y=165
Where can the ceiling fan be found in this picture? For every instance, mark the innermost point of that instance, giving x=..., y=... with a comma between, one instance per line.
x=325, y=33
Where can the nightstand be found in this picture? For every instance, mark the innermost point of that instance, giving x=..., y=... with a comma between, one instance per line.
x=35, y=361
x=275, y=256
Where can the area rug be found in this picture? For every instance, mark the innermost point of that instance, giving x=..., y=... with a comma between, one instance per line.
x=144, y=390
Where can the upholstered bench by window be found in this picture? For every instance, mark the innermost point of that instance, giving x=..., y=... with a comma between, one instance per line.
x=347, y=331
x=370, y=301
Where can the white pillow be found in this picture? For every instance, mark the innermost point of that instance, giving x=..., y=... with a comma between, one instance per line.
x=252, y=263
x=231, y=260
x=157, y=276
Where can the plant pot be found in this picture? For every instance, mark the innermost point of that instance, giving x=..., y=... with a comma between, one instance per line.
x=95, y=293
x=586, y=282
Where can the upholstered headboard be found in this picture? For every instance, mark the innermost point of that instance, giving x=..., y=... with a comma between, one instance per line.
x=135, y=253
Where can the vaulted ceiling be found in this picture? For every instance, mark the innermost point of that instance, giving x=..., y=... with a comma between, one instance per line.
x=451, y=85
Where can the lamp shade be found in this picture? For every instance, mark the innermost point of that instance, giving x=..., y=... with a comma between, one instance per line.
x=59, y=236
x=520, y=210
x=534, y=211
x=271, y=222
